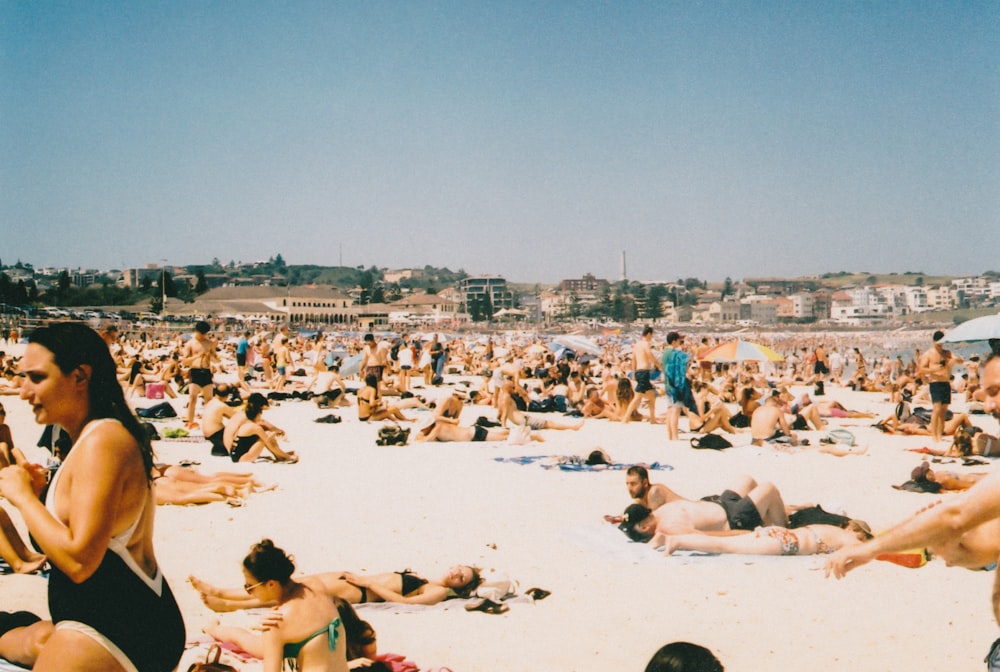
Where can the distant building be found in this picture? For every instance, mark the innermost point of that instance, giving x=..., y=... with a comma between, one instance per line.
x=485, y=287
x=588, y=284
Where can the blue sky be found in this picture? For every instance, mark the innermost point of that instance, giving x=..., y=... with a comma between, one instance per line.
x=532, y=140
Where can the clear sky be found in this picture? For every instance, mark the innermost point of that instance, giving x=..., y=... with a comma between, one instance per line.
x=535, y=140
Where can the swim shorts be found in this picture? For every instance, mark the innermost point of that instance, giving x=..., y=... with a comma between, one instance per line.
x=741, y=512
x=642, y=384
x=201, y=377
x=940, y=392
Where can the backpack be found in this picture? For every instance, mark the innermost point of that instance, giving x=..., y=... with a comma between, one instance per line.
x=392, y=435
x=712, y=441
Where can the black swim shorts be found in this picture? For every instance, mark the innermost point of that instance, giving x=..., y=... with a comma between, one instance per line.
x=741, y=512
x=940, y=392
x=642, y=384
x=201, y=377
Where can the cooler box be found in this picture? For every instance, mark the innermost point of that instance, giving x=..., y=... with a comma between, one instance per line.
x=154, y=390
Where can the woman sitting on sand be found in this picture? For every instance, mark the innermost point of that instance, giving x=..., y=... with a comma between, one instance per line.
x=246, y=437
x=403, y=587
x=807, y=540
x=371, y=406
x=624, y=395
x=307, y=628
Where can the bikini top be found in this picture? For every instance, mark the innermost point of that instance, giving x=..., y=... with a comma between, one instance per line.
x=292, y=649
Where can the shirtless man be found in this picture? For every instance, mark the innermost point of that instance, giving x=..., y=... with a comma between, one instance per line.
x=768, y=423
x=442, y=431
x=950, y=527
x=198, y=354
x=508, y=411
x=935, y=366
x=732, y=510
x=650, y=495
x=213, y=417
x=643, y=364
x=374, y=359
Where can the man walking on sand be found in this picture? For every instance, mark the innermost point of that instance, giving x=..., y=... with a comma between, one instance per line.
x=644, y=363
x=935, y=367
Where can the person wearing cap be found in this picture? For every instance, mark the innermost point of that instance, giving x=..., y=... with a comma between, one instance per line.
x=731, y=510
x=935, y=367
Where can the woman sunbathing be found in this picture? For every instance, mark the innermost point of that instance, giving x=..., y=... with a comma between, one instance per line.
x=404, y=587
x=183, y=485
x=807, y=540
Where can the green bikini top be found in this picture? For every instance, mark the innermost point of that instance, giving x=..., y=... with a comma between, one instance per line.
x=292, y=649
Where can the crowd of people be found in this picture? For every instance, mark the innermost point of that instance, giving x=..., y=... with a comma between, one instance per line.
x=91, y=511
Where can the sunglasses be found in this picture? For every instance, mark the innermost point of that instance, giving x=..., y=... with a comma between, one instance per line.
x=249, y=587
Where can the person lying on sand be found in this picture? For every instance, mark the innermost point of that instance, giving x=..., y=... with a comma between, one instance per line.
x=403, y=587
x=911, y=423
x=732, y=510
x=806, y=540
x=925, y=479
x=437, y=431
x=184, y=485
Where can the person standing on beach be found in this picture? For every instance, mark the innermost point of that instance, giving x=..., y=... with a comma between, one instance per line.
x=644, y=364
x=947, y=524
x=198, y=354
x=674, y=363
x=935, y=367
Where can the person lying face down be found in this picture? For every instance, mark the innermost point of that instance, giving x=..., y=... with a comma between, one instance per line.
x=753, y=505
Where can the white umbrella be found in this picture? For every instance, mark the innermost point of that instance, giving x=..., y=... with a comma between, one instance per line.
x=578, y=344
x=977, y=329
x=351, y=365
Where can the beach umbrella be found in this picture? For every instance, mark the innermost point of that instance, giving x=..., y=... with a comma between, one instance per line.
x=741, y=351
x=578, y=344
x=536, y=349
x=977, y=329
x=351, y=365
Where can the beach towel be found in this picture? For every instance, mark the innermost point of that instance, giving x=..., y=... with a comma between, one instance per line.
x=575, y=463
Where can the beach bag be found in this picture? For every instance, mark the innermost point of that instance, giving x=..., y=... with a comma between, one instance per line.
x=160, y=411
x=212, y=663
x=839, y=436
x=392, y=435
x=712, y=441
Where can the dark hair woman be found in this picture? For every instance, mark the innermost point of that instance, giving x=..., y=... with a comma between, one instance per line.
x=110, y=603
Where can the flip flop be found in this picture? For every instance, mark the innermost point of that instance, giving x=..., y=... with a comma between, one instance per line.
x=488, y=607
x=538, y=594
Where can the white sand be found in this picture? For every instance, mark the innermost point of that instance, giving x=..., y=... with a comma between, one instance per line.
x=351, y=505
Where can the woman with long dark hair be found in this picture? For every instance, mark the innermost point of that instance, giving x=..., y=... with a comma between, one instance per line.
x=110, y=603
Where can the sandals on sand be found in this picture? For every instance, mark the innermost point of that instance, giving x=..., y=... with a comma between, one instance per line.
x=538, y=594
x=488, y=607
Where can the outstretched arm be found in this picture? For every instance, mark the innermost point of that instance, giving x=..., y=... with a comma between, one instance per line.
x=928, y=527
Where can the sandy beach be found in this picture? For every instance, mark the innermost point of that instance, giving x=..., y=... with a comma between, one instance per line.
x=351, y=505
